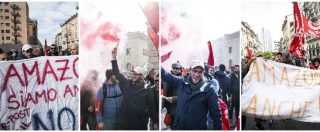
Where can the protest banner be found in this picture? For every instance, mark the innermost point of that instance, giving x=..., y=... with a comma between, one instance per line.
x=273, y=90
x=39, y=94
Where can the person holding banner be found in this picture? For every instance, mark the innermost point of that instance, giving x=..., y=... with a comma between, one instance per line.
x=4, y=57
x=26, y=52
x=196, y=98
x=315, y=64
x=138, y=102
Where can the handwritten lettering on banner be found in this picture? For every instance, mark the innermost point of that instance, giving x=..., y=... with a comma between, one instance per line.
x=39, y=94
x=273, y=90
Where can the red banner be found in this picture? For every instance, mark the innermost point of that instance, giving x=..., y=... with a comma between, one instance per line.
x=297, y=43
x=310, y=27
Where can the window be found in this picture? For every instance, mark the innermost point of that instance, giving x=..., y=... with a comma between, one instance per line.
x=2, y=31
x=7, y=17
x=128, y=51
x=230, y=49
x=7, y=24
x=1, y=10
x=6, y=3
x=7, y=38
x=145, y=52
x=230, y=62
x=7, y=31
x=6, y=10
x=291, y=24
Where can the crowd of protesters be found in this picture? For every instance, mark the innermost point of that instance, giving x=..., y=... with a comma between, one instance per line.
x=201, y=97
x=123, y=102
x=286, y=58
x=27, y=52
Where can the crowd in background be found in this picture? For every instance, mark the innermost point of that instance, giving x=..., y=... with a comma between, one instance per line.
x=27, y=52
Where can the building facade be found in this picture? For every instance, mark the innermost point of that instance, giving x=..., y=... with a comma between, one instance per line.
x=266, y=40
x=249, y=39
x=69, y=32
x=226, y=49
x=14, y=17
x=287, y=33
x=139, y=50
x=33, y=32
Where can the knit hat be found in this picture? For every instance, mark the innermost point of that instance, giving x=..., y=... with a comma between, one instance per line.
x=109, y=73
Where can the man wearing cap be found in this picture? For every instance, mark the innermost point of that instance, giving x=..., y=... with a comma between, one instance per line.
x=138, y=101
x=108, y=102
x=170, y=95
x=26, y=52
x=196, y=99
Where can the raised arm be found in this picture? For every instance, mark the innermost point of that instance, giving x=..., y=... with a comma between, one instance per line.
x=169, y=78
x=115, y=69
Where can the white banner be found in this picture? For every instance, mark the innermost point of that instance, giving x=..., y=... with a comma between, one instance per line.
x=273, y=90
x=39, y=94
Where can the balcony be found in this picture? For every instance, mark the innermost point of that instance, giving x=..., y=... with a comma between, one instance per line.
x=16, y=34
x=15, y=7
x=16, y=21
x=16, y=28
x=15, y=13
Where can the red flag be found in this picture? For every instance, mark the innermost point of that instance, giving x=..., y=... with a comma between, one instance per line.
x=166, y=56
x=249, y=53
x=45, y=48
x=210, y=58
x=151, y=11
x=183, y=70
x=297, y=43
x=310, y=27
x=225, y=117
x=154, y=37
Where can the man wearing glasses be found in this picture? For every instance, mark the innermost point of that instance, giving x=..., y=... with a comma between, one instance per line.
x=196, y=99
x=53, y=51
x=138, y=102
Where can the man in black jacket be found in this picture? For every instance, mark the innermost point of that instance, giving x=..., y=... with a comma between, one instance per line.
x=224, y=83
x=138, y=102
x=235, y=93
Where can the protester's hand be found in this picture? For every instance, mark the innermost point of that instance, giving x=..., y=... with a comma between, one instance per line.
x=114, y=53
x=90, y=109
x=155, y=126
x=101, y=125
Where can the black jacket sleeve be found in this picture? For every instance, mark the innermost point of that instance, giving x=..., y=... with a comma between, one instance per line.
x=121, y=78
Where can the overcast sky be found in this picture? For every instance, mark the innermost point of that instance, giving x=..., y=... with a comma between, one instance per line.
x=266, y=14
x=219, y=18
x=49, y=16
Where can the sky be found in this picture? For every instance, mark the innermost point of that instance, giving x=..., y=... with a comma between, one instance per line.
x=266, y=14
x=49, y=16
x=218, y=18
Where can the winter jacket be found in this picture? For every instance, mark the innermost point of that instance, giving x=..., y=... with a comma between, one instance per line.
x=224, y=83
x=137, y=105
x=235, y=88
x=193, y=106
x=111, y=102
